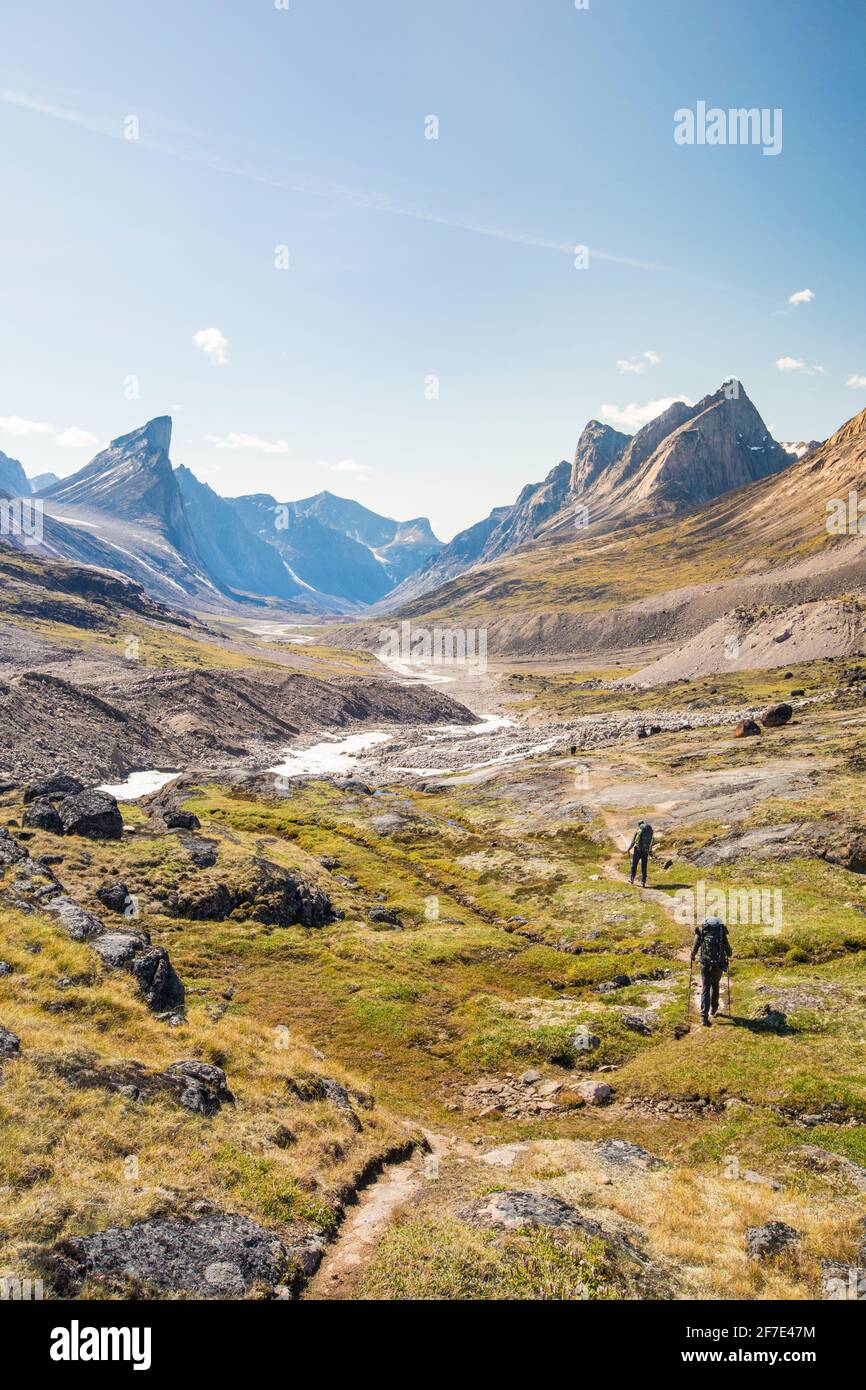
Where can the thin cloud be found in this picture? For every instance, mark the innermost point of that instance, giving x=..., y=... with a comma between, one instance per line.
x=796, y=364
x=234, y=440
x=638, y=365
x=857, y=381
x=801, y=297
x=15, y=425
x=346, y=466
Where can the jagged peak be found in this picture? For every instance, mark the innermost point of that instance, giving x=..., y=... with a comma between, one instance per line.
x=156, y=434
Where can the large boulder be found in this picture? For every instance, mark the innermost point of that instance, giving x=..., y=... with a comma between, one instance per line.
x=93, y=814
x=42, y=815
x=776, y=715
x=59, y=785
x=221, y=1255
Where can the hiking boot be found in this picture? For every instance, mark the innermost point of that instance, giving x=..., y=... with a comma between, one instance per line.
x=705, y=1021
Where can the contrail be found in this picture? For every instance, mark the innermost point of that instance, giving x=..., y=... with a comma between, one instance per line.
x=357, y=197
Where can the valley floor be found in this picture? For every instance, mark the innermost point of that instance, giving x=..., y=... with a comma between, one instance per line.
x=520, y=1112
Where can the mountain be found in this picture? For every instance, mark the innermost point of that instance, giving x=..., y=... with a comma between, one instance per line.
x=597, y=447
x=234, y=558
x=686, y=456
x=124, y=510
x=43, y=480
x=13, y=479
x=337, y=547
x=401, y=547
x=797, y=449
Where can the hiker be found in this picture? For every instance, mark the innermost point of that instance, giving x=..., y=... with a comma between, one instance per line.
x=639, y=849
x=711, y=940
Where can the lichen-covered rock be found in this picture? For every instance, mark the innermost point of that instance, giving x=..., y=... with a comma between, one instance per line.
x=59, y=785
x=203, y=1087
x=42, y=815
x=512, y=1211
x=93, y=814
x=10, y=1043
x=158, y=980
x=220, y=1255
x=774, y=1238
x=622, y=1153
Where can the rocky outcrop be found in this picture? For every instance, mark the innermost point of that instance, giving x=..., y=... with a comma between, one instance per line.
x=197, y=1086
x=10, y=1044
x=259, y=892
x=220, y=1255
x=33, y=887
x=115, y=896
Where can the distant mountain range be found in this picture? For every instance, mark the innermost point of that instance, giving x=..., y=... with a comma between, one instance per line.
x=132, y=511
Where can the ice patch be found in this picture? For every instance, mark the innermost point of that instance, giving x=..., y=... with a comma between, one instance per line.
x=323, y=758
x=139, y=784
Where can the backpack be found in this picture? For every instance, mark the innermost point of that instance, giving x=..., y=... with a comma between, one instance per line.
x=645, y=838
x=713, y=952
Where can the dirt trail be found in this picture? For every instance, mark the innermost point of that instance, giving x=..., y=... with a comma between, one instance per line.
x=346, y=1259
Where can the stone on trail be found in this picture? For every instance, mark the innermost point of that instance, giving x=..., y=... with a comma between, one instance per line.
x=529, y=1078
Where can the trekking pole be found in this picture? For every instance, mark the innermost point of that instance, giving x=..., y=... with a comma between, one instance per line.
x=730, y=1005
x=689, y=995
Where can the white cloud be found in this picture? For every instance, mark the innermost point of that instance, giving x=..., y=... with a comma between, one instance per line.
x=632, y=416
x=801, y=297
x=233, y=440
x=73, y=437
x=638, y=364
x=13, y=424
x=214, y=345
x=857, y=381
x=796, y=364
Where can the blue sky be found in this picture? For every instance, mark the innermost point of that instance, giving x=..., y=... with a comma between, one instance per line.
x=412, y=258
